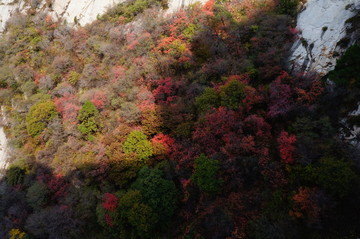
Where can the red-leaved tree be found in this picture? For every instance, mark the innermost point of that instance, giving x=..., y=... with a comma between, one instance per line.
x=287, y=146
x=110, y=202
x=68, y=106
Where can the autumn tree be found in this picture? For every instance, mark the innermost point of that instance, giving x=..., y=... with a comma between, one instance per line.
x=68, y=107
x=306, y=204
x=335, y=175
x=287, y=146
x=38, y=195
x=231, y=94
x=88, y=119
x=281, y=96
x=17, y=234
x=15, y=175
x=136, y=142
x=207, y=100
x=158, y=193
x=205, y=174
x=347, y=72
x=54, y=222
x=106, y=211
x=40, y=114
x=137, y=214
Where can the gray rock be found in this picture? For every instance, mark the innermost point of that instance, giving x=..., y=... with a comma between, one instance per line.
x=323, y=34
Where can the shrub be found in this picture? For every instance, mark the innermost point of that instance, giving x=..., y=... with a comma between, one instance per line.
x=23, y=73
x=336, y=176
x=15, y=176
x=63, y=89
x=137, y=143
x=73, y=77
x=46, y=83
x=205, y=174
x=231, y=94
x=347, y=72
x=28, y=88
x=110, y=202
x=136, y=213
x=130, y=112
x=54, y=222
x=288, y=7
x=123, y=172
x=40, y=114
x=6, y=77
x=61, y=64
x=68, y=107
x=37, y=195
x=151, y=121
x=286, y=146
x=99, y=99
x=90, y=76
x=160, y=194
x=107, y=213
x=207, y=100
x=17, y=234
x=88, y=122
x=131, y=9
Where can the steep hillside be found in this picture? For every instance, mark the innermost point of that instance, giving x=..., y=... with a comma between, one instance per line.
x=186, y=125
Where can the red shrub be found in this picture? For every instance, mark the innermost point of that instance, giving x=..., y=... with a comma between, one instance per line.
x=165, y=91
x=110, y=202
x=305, y=204
x=280, y=96
x=109, y=220
x=117, y=73
x=208, y=7
x=166, y=141
x=58, y=186
x=286, y=146
x=99, y=99
x=68, y=106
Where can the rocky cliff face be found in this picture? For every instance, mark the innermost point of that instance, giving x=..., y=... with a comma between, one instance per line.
x=3, y=142
x=324, y=35
x=3, y=151
x=80, y=11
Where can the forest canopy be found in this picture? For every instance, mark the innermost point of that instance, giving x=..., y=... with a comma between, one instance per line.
x=189, y=125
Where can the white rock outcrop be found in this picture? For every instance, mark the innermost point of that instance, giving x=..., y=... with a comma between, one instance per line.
x=7, y=7
x=3, y=151
x=84, y=11
x=322, y=25
x=79, y=11
x=4, y=154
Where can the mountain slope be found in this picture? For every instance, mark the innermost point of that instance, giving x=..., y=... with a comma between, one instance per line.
x=188, y=125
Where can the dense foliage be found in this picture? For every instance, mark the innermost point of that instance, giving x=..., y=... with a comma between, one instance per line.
x=39, y=116
x=204, y=175
x=141, y=125
x=88, y=115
